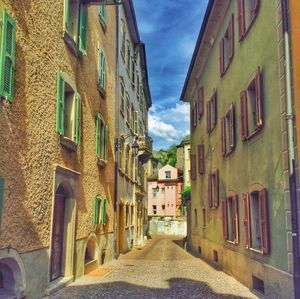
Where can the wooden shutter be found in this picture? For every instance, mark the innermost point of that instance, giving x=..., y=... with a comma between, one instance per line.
x=225, y=218
x=244, y=115
x=223, y=135
x=209, y=190
x=78, y=118
x=264, y=219
x=216, y=188
x=201, y=165
x=60, y=105
x=7, y=57
x=241, y=19
x=1, y=196
x=256, y=6
x=222, y=67
x=231, y=37
x=105, y=142
x=208, y=116
x=193, y=167
x=214, y=108
x=232, y=127
x=103, y=211
x=83, y=29
x=98, y=135
x=96, y=210
x=235, y=219
x=195, y=114
x=247, y=220
x=192, y=118
x=259, y=98
x=200, y=102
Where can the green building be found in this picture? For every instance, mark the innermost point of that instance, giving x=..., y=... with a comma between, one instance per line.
x=240, y=218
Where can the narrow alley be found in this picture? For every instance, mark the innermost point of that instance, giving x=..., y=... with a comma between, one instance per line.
x=162, y=269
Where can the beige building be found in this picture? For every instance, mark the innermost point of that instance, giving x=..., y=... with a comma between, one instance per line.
x=134, y=102
x=57, y=118
x=183, y=160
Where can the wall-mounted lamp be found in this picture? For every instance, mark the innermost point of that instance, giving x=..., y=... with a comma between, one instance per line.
x=134, y=145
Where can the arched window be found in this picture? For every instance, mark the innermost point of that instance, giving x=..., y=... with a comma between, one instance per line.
x=127, y=157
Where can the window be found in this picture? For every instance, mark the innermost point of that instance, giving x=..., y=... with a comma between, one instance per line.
x=200, y=99
x=133, y=73
x=193, y=167
x=131, y=165
x=196, y=217
x=252, y=107
x=227, y=47
x=138, y=88
x=102, y=15
x=203, y=218
x=256, y=221
x=1, y=196
x=127, y=109
x=201, y=159
x=68, y=111
x=101, y=139
x=154, y=209
x=194, y=116
x=213, y=189
x=132, y=120
x=163, y=190
x=163, y=207
x=247, y=12
x=122, y=95
x=132, y=215
x=228, y=131
x=230, y=219
x=122, y=154
x=211, y=111
x=100, y=210
x=127, y=216
x=136, y=169
x=102, y=73
x=7, y=57
x=123, y=39
x=76, y=26
x=136, y=123
x=168, y=174
x=127, y=158
x=128, y=58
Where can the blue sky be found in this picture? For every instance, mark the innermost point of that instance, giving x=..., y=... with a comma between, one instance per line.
x=169, y=29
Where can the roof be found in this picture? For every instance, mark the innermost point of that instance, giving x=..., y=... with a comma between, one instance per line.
x=198, y=43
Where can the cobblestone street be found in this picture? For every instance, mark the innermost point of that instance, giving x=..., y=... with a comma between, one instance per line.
x=162, y=269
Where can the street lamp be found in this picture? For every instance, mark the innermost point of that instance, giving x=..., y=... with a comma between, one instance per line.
x=134, y=145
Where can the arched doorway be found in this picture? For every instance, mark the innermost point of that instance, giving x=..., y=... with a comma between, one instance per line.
x=91, y=256
x=12, y=276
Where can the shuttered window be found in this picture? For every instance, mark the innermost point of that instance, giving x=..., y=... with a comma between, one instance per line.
x=230, y=218
x=77, y=136
x=136, y=121
x=103, y=211
x=102, y=71
x=211, y=112
x=228, y=131
x=122, y=94
x=1, y=197
x=200, y=98
x=102, y=13
x=101, y=139
x=201, y=161
x=247, y=12
x=252, y=120
x=193, y=167
x=60, y=104
x=83, y=29
x=7, y=57
x=100, y=210
x=213, y=189
x=208, y=116
x=97, y=203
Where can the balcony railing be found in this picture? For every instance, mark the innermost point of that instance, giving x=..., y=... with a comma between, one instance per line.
x=145, y=143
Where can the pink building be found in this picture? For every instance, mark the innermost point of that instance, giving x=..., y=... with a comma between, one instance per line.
x=164, y=193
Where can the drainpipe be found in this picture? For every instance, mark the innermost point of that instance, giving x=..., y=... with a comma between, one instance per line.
x=116, y=139
x=291, y=148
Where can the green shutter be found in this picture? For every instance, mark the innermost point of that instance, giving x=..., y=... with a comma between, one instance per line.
x=103, y=211
x=1, y=196
x=102, y=69
x=104, y=72
x=78, y=119
x=60, y=105
x=98, y=136
x=102, y=13
x=83, y=29
x=96, y=210
x=67, y=14
x=7, y=56
x=106, y=143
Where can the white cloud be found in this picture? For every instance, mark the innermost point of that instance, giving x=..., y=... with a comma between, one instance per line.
x=159, y=128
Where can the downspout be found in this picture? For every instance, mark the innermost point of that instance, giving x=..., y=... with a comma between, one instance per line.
x=291, y=148
x=116, y=139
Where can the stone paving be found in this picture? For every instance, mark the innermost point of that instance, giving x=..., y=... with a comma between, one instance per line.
x=162, y=269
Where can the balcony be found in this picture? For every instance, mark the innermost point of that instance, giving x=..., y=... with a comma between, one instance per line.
x=145, y=147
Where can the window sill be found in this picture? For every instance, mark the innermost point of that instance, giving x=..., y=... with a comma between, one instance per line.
x=227, y=154
x=248, y=29
x=254, y=133
x=68, y=143
x=231, y=242
x=101, y=162
x=227, y=67
x=256, y=250
x=71, y=43
x=101, y=90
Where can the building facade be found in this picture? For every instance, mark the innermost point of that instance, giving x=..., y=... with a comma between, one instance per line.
x=240, y=214
x=134, y=102
x=164, y=193
x=183, y=160
x=58, y=75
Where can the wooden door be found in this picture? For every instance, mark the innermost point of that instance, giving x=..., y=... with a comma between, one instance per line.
x=57, y=237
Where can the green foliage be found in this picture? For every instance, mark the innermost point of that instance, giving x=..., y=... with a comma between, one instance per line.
x=185, y=195
x=166, y=156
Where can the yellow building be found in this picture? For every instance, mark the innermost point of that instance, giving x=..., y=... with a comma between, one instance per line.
x=183, y=160
x=57, y=118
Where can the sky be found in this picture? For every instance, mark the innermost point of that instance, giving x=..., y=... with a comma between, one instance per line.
x=169, y=29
